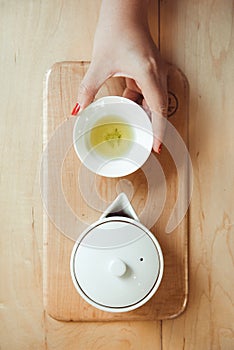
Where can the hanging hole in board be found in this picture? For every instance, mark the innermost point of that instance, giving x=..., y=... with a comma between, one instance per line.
x=172, y=104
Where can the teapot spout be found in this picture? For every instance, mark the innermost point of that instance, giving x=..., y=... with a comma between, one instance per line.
x=120, y=207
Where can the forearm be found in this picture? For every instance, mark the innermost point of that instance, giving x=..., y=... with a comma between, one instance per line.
x=123, y=46
x=124, y=13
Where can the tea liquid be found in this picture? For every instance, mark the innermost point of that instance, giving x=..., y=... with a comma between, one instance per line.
x=111, y=137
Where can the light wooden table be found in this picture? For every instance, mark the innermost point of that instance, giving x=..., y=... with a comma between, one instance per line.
x=198, y=37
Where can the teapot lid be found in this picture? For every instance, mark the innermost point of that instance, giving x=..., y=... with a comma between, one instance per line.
x=117, y=264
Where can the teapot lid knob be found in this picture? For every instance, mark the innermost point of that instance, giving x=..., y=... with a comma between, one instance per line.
x=117, y=267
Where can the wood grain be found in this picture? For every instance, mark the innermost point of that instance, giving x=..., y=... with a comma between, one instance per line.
x=207, y=60
x=198, y=37
x=103, y=335
x=62, y=301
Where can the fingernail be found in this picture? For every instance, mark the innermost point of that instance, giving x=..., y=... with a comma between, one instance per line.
x=75, y=109
x=159, y=148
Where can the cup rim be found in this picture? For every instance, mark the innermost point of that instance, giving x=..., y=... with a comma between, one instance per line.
x=123, y=165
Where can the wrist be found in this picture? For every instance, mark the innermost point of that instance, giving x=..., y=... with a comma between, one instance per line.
x=123, y=13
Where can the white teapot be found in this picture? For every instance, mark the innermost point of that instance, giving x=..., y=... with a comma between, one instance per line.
x=117, y=263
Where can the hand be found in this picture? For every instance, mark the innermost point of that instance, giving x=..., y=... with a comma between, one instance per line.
x=123, y=46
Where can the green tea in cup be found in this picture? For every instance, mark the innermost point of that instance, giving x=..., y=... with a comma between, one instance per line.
x=111, y=137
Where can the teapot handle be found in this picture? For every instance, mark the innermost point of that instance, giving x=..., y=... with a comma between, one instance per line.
x=120, y=207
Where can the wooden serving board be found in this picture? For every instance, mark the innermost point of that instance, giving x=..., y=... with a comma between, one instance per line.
x=62, y=225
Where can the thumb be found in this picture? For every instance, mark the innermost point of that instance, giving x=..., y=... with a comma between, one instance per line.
x=91, y=83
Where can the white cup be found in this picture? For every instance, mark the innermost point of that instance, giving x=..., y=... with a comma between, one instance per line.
x=137, y=148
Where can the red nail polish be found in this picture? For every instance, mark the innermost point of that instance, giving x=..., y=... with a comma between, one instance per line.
x=75, y=109
x=159, y=148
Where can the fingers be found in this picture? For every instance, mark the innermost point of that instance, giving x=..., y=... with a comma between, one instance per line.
x=154, y=88
x=132, y=91
x=151, y=83
x=91, y=83
x=159, y=128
